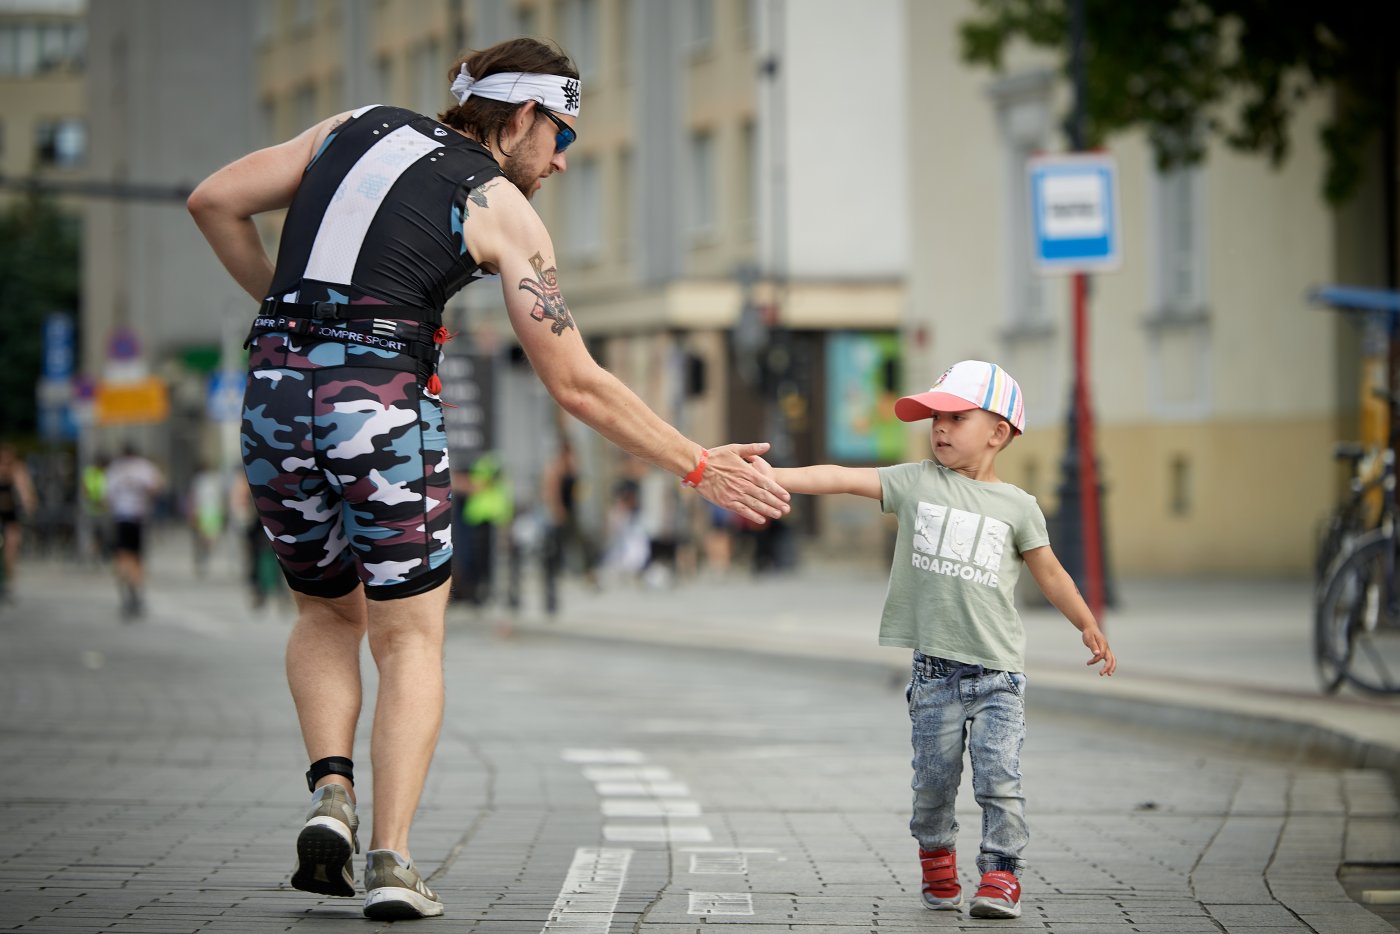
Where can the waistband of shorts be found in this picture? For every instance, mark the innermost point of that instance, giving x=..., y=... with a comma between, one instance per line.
x=342, y=311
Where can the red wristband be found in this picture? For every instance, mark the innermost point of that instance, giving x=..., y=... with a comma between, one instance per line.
x=692, y=479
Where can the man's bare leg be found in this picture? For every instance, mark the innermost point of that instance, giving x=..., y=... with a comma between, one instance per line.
x=406, y=639
x=323, y=671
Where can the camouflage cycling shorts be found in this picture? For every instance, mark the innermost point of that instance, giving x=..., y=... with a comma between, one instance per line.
x=348, y=469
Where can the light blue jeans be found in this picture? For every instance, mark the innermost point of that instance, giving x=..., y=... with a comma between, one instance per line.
x=952, y=705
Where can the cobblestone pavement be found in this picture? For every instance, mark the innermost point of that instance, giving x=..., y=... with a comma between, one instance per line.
x=150, y=774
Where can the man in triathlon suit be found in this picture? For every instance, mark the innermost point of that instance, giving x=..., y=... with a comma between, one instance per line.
x=390, y=213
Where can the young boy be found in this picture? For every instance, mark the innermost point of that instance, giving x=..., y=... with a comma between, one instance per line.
x=963, y=535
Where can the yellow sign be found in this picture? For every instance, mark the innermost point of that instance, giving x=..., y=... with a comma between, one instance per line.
x=145, y=400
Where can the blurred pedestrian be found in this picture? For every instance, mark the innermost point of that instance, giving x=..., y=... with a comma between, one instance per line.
x=629, y=546
x=132, y=483
x=389, y=214
x=18, y=501
x=260, y=569
x=96, y=536
x=488, y=511
x=566, y=541
x=963, y=537
x=721, y=527
x=205, y=511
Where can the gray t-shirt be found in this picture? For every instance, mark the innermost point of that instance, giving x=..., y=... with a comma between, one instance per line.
x=956, y=561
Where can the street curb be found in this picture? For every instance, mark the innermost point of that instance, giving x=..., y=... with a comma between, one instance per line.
x=1293, y=741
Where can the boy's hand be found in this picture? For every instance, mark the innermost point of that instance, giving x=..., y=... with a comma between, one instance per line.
x=763, y=466
x=1094, y=640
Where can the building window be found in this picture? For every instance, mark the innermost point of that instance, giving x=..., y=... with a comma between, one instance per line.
x=1180, y=494
x=700, y=25
x=701, y=190
x=267, y=122
x=622, y=42
x=303, y=13
x=626, y=201
x=581, y=32
x=1022, y=104
x=264, y=20
x=304, y=112
x=431, y=83
x=1178, y=272
x=585, y=209
x=748, y=178
x=381, y=89
x=61, y=144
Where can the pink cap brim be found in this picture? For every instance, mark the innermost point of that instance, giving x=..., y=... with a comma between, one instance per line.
x=921, y=405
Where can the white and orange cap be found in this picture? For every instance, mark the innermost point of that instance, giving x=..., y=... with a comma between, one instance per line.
x=968, y=384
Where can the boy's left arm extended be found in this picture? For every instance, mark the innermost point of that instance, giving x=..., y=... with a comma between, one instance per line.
x=1054, y=581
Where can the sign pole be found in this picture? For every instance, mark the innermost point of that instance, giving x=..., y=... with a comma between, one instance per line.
x=1084, y=440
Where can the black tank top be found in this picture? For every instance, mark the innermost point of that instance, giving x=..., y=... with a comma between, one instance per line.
x=378, y=214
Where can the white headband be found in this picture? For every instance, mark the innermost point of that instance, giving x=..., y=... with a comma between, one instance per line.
x=513, y=87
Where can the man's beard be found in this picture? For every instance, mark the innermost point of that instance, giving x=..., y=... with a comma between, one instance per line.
x=518, y=174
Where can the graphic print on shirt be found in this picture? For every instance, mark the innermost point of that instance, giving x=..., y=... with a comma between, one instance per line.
x=947, y=541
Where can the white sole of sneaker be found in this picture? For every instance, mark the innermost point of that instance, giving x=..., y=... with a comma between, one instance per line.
x=395, y=903
x=944, y=904
x=988, y=908
x=324, y=849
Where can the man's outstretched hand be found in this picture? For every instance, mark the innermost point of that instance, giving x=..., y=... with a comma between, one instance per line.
x=732, y=481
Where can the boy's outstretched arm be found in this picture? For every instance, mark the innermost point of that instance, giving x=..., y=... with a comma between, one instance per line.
x=824, y=478
x=1054, y=581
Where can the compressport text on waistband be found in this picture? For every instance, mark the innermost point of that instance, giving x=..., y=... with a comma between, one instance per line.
x=301, y=326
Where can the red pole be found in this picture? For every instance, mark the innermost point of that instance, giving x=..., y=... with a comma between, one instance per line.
x=1088, y=469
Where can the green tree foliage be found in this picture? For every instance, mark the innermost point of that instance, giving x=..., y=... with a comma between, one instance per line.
x=39, y=275
x=1234, y=68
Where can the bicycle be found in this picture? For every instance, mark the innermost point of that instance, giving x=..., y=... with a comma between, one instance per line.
x=1356, y=633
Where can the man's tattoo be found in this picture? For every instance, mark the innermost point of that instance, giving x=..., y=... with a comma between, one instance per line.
x=549, y=303
x=477, y=197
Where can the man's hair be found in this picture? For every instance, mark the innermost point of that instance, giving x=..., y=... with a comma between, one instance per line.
x=484, y=118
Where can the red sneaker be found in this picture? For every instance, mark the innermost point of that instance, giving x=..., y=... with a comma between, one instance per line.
x=998, y=896
x=941, y=889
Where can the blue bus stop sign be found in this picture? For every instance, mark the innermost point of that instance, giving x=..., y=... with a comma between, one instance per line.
x=1074, y=213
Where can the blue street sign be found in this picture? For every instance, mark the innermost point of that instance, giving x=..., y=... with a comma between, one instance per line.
x=1074, y=213
x=226, y=395
x=59, y=349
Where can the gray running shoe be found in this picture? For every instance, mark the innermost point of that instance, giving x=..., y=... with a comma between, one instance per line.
x=394, y=891
x=326, y=844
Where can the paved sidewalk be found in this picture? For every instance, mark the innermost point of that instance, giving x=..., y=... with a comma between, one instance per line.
x=1226, y=657
x=129, y=769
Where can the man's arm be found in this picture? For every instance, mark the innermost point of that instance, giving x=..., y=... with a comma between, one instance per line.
x=223, y=205
x=1054, y=581
x=505, y=234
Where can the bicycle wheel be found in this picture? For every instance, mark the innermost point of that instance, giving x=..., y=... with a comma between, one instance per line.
x=1357, y=629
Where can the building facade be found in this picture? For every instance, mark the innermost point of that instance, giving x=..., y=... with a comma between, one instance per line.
x=1219, y=391
x=764, y=248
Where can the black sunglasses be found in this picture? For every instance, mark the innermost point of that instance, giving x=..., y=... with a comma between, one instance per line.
x=566, y=135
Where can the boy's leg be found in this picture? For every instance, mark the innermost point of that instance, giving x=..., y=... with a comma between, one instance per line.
x=994, y=741
x=939, y=730
x=995, y=737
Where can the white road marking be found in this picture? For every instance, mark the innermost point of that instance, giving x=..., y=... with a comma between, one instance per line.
x=652, y=789
x=656, y=833
x=650, y=807
x=588, y=898
x=624, y=773
x=721, y=903
x=618, y=756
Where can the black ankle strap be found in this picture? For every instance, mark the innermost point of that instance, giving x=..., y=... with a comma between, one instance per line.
x=331, y=765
